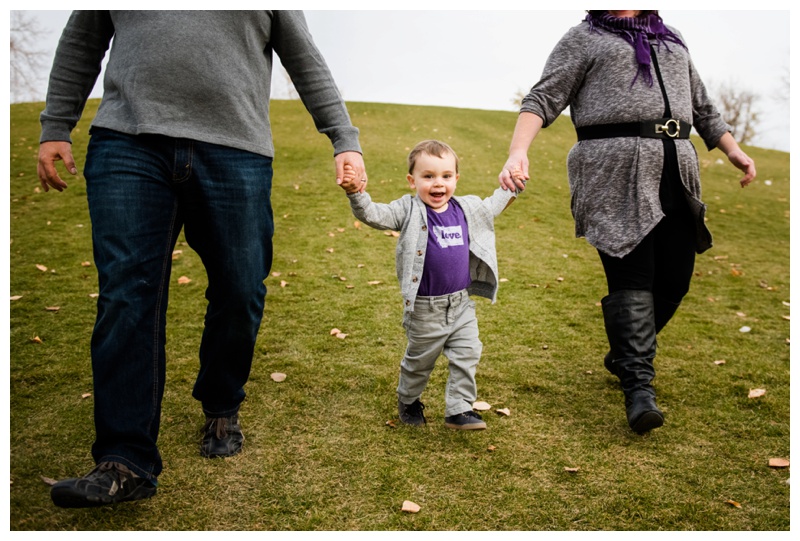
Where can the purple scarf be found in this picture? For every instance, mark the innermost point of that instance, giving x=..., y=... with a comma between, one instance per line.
x=637, y=31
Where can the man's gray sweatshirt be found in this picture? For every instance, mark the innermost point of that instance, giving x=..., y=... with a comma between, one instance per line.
x=202, y=75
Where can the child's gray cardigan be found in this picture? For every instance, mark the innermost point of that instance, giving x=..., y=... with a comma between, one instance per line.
x=409, y=216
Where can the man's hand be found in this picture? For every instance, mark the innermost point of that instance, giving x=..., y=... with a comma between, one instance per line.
x=49, y=153
x=356, y=163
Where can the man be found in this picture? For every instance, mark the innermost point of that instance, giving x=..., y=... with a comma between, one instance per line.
x=181, y=139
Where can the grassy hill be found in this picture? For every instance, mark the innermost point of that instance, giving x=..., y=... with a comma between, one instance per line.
x=319, y=454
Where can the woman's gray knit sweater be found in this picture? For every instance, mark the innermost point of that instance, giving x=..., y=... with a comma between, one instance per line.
x=615, y=182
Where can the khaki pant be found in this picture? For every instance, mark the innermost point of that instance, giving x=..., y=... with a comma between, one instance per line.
x=444, y=324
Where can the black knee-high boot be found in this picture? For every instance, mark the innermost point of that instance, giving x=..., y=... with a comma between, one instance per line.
x=631, y=329
x=663, y=310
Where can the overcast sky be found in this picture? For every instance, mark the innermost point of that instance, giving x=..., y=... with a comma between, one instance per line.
x=481, y=59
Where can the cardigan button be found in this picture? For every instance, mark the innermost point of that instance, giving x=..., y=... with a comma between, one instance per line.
x=408, y=302
x=419, y=252
x=424, y=227
x=414, y=279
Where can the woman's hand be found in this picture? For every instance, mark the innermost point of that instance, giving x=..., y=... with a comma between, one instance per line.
x=744, y=162
x=514, y=173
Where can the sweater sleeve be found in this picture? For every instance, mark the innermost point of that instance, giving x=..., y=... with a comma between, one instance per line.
x=500, y=200
x=76, y=65
x=706, y=119
x=310, y=75
x=380, y=215
x=561, y=79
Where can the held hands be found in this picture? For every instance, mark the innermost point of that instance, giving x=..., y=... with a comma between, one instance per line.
x=742, y=161
x=514, y=173
x=49, y=153
x=351, y=173
x=349, y=181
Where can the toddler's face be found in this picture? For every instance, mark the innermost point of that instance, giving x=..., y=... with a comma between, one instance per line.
x=435, y=180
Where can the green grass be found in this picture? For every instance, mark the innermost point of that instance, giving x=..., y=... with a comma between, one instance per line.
x=319, y=455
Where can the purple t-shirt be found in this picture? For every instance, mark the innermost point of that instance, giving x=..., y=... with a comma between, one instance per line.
x=447, y=256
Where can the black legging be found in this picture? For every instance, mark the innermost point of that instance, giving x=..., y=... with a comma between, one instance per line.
x=663, y=262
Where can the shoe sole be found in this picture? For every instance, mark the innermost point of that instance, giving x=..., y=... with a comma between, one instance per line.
x=67, y=498
x=473, y=426
x=647, y=421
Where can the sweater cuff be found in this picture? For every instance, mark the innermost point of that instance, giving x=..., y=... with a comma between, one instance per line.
x=55, y=131
x=345, y=139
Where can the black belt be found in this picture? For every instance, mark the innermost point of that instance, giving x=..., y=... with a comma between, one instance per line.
x=662, y=128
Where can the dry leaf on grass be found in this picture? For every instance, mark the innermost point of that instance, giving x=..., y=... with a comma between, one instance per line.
x=357, y=224
x=741, y=314
x=41, y=267
x=778, y=463
x=491, y=448
x=503, y=411
x=341, y=336
x=329, y=250
x=481, y=406
x=94, y=295
x=86, y=395
x=48, y=481
x=410, y=507
x=276, y=274
x=349, y=286
x=737, y=505
x=16, y=297
x=374, y=282
x=786, y=318
x=335, y=331
x=52, y=308
x=184, y=280
x=284, y=283
x=391, y=424
x=719, y=362
x=755, y=393
x=278, y=376
x=745, y=329
x=37, y=340
x=89, y=263
x=571, y=470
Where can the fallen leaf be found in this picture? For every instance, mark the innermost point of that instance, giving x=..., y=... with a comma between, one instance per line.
x=778, y=463
x=745, y=329
x=391, y=424
x=36, y=340
x=410, y=507
x=329, y=250
x=48, y=481
x=504, y=411
x=504, y=279
x=589, y=372
x=184, y=280
x=52, y=308
x=559, y=279
x=340, y=229
x=737, y=505
x=341, y=336
x=720, y=257
x=86, y=395
x=357, y=224
x=86, y=264
x=349, y=286
x=741, y=314
x=335, y=331
x=481, y=406
x=41, y=267
x=360, y=265
x=755, y=393
x=545, y=346
x=571, y=470
x=94, y=295
x=16, y=297
x=276, y=274
x=786, y=304
x=786, y=318
x=374, y=282
x=343, y=278
x=719, y=362
x=284, y=283
x=491, y=448
x=736, y=272
x=277, y=376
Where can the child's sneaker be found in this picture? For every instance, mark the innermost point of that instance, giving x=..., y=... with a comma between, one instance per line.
x=411, y=414
x=468, y=420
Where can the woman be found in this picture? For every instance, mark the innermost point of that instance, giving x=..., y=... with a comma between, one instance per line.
x=634, y=96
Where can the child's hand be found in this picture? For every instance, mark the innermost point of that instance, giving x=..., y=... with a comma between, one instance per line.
x=518, y=176
x=349, y=182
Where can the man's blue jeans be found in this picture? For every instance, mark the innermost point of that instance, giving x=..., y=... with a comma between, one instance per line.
x=142, y=189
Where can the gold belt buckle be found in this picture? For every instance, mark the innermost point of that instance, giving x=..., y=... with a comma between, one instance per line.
x=665, y=128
